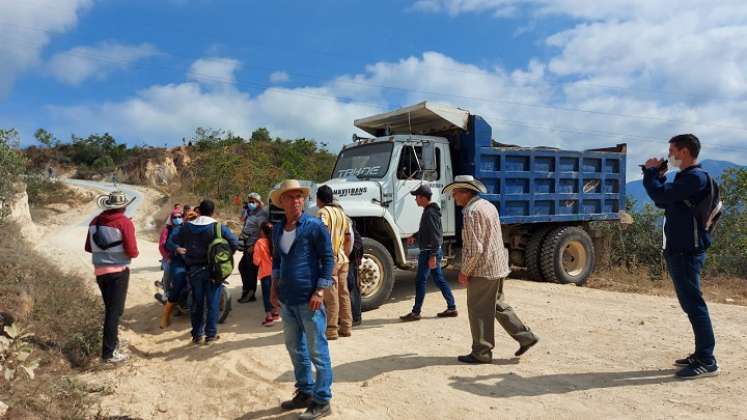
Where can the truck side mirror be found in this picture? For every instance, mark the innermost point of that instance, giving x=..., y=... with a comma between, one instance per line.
x=428, y=162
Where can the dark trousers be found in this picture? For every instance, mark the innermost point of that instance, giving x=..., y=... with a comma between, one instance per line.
x=206, y=295
x=248, y=272
x=113, y=288
x=685, y=271
x=355, y=292
x=437, y=275
x=266, y=286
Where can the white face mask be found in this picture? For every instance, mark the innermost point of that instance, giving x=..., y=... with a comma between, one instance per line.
x=674, y=162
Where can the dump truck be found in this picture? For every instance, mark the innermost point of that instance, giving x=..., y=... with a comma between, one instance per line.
x=547, y=198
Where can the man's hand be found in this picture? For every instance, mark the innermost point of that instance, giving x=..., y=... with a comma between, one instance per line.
x=463, y=279
x=653, y=163
x=181, y=251
x=432, y=264
x=274, y=299
x=315, y=302
x=410, y=241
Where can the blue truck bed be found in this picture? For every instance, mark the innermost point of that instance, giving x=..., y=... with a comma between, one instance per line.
x=530, y=185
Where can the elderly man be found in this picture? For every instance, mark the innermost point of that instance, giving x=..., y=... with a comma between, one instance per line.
x=253, y=217
x=484, y=268
x=302, y=266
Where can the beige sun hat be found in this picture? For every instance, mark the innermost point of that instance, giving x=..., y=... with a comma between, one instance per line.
x=114, y=200
x=285, y=186
x=467, y=182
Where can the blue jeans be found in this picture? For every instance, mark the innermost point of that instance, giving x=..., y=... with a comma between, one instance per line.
x=177, y=281
x=306, y=342
x=266, y=285
x=438, y=277
x=685, y=271
x=205, y=293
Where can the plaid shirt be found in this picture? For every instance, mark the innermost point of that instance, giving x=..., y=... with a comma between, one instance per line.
x=483, y=252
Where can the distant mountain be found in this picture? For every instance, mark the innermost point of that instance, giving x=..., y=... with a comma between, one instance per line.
x=635, y=189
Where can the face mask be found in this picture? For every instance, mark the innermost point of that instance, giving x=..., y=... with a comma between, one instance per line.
x=177, y=221
x=251, y=206
x=674, y=162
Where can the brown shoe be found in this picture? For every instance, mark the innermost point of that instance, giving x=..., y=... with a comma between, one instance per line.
x=449, y=313
x=345, y=333
x=412, y=316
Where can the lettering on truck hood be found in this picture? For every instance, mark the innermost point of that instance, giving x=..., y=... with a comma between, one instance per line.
x=358, y=198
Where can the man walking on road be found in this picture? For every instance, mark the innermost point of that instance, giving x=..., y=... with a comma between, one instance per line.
x=193, y=240
x=302, y=266
x=686, y=239
x=254, y=217
x=484, y=269
x=337, y=297
x=429, y=238
x=112, y=244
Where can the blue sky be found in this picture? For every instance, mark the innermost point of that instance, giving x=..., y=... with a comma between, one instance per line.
x=566, y=73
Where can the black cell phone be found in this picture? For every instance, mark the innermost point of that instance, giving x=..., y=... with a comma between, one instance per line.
x=662, y=167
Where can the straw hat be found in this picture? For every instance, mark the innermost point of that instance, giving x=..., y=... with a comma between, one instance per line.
x=467, y=182
x=285, y=186
x=114, y=200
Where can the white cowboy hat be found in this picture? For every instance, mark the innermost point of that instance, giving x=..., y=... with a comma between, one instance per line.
x=467, y=182
x=285, y=186
x=114, y=200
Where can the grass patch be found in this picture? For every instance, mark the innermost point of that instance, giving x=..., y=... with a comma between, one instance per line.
x=64, y=319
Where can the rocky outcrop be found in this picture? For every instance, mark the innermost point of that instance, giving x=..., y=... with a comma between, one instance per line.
x=20, y=212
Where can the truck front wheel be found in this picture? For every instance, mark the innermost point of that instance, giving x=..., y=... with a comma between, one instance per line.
x=567, y=255
x=375, y=275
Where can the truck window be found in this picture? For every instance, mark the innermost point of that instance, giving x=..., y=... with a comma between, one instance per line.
x=365, y=161
x=408, y=167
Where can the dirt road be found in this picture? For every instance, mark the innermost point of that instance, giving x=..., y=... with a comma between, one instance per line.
x=602, y=355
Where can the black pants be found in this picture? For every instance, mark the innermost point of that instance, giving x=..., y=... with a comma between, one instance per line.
x=355, y=292
x=114, y=292
x=248, y=272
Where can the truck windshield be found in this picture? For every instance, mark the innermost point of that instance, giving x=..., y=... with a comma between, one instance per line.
x=365, y=161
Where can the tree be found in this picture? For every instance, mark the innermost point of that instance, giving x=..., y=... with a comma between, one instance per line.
x=12, y=166
x=45, y=137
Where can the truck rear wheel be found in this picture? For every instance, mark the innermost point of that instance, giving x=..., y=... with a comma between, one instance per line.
x=567, y=256
x=375, y=275
x=533, y=254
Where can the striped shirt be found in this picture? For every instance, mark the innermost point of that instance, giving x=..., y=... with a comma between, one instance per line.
x=337, y=223
x=483, y=252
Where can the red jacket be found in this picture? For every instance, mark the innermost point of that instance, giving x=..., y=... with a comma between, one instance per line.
x=113, y=226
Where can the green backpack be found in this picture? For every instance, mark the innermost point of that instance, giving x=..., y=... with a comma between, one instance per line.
x=220, y=257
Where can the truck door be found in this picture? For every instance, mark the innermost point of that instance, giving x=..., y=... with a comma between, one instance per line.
x=408, y=177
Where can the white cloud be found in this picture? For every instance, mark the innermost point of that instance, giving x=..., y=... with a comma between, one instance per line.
x=80, y=63
x=279, y=77
x=26, y=29
x=499, y=8
x=214, y=71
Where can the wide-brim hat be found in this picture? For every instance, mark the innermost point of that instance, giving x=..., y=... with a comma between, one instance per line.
x=256, y=196
x=114, y=200
x=285, y=186
x=467, y=182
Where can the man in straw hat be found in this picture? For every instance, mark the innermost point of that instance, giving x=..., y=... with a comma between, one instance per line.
x=484, y=268
x=112, y=244
x=302, y=267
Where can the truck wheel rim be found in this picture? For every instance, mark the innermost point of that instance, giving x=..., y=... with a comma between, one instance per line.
x=371, y=273
x=574, y=258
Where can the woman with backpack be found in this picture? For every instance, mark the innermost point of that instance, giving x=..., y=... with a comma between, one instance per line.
x=262, y=258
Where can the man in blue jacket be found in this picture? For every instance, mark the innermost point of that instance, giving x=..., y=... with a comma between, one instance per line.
x=685, y=243
x=193, y=240
x=302, y=265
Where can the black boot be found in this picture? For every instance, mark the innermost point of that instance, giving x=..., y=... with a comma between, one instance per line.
x=300, y=400
x=244, y=297
x=316, y=411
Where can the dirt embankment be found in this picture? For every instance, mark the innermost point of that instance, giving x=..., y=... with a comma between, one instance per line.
x=601, y=355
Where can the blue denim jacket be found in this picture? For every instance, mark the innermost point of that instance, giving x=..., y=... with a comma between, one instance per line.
x=309, y=263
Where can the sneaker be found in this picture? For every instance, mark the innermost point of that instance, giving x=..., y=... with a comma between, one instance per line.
x=524, y=347
x=698, y=370
x=316, y=411
x=197, y=340
x=300, y=400
x=275, y=316
x=244, y=298
x=687, y=361
x=412, y=316
x=449, y=313
x=268, y=322
x=211, y=339
x=117, y=357
x=253, y=298
x=469, y=358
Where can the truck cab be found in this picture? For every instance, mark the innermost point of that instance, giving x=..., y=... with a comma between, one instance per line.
x=545, y=196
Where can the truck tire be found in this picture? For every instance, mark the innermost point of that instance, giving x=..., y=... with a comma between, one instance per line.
x=567, y=255
x=376, y=274
x=533, y=254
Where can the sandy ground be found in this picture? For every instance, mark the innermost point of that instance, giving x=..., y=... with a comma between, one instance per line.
x=602, y=355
